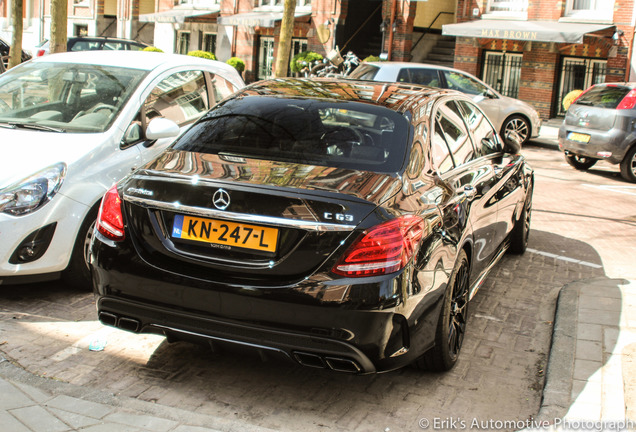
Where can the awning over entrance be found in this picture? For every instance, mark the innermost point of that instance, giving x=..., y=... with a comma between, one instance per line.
x=177, y=15
x=256, y=19
x=541, y=31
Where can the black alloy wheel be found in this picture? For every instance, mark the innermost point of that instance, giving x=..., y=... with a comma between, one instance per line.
x=520, y=126
x=521, y=232
x=628, y=165
x=581, y=163
x=451, y=327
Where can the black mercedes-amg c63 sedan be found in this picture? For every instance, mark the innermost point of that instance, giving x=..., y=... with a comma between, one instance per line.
x=342, y=224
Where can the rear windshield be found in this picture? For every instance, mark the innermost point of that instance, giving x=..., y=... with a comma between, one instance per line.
x=310, y=131
x=365, y=72
x=603, y=96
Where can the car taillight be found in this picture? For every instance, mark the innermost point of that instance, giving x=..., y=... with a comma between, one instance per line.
x=628, y=101
x=40, y=53
x=110, y=221
x=383, y=249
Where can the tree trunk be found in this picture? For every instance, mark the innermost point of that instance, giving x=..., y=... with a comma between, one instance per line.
x=284, y=41
x=59, y=12
x=15, y=54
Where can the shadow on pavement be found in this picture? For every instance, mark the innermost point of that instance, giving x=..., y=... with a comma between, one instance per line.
x=499, y=377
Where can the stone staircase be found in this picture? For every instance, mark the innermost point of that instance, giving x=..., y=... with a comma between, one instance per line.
x=443, y=53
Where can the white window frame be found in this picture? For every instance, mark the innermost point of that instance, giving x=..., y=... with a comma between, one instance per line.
x=516, y=9
x=178, y=47
x=601, y=10
x=265, y=59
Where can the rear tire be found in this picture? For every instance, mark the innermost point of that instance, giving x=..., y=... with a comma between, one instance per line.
x=628, y=165
x=581, y=163
x=77, y=274
x=521, y=231
x=451, y=326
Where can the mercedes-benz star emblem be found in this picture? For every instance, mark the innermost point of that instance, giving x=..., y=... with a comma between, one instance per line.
x=221, y=199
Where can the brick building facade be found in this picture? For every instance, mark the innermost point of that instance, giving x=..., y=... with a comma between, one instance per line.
x=534, y=50
x=541, y=67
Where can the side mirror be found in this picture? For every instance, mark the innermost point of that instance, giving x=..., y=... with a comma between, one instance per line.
x=161, y=128
x=512, y=142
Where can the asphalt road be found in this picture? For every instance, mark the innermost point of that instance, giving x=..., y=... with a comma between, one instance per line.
x=582, y=227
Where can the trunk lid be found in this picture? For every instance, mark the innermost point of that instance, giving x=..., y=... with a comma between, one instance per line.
x=209, y=216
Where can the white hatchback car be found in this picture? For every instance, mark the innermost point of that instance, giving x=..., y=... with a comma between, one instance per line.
x=73, y=124
x=505, y=113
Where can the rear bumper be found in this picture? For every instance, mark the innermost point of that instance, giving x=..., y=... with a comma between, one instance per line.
x=306, y=349
x=615, y=141
x=364, y=327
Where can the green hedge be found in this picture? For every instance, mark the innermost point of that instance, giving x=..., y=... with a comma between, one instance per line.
x=237, y=64
x=202, y=54
x=296, y=63
x=152, y=49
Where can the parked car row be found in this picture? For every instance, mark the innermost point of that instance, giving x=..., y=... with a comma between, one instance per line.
x=342, y=224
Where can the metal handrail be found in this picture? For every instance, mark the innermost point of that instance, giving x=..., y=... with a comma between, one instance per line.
x=429, y=27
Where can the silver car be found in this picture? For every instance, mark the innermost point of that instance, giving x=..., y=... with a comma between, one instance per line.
x=600, y=125
x=505, y=113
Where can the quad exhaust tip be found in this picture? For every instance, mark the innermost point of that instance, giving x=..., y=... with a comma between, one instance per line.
x=124, y=323
x=318, y=361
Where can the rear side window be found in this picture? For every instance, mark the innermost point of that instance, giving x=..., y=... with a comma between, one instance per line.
x=464, y=83
x=311, y=131
x=486, y=138
x=427, y=77
x=603, y=96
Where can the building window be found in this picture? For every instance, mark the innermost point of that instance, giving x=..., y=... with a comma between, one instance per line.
x=502, y=71
x=579, y=74
x=265, y=57
x=514, y=8
x=183, y=42
x=594, y=10
x=80, y=30
x=297, y=46
x=209, y=43
x=270, y=3
x=279, y=4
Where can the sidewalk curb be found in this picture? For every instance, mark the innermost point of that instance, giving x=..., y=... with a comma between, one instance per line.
x=15, y=374
x=557, y=391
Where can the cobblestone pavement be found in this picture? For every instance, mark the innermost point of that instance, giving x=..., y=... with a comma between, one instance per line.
x=583, y=227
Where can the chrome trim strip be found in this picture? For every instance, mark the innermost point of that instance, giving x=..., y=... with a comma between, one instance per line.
x=241, y=217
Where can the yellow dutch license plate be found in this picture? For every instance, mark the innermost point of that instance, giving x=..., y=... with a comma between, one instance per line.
x=225, y=233
x=575, y=136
